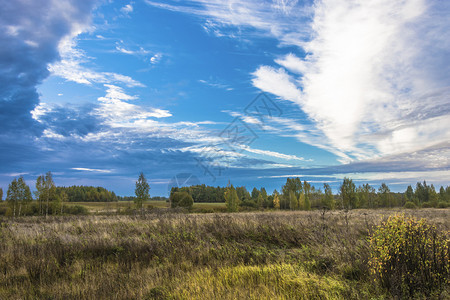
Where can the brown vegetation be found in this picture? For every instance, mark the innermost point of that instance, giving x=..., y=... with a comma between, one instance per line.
x=310, y=255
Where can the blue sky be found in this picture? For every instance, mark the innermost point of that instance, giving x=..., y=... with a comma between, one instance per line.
x=247, y=91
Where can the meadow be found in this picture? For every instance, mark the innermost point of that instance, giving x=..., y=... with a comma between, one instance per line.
x=164, y=255
x=128, y=206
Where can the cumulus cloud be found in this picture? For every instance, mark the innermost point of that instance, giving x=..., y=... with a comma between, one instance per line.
x=29, y=34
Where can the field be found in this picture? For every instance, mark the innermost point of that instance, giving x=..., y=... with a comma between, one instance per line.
x=162, y=255
x=102, y=207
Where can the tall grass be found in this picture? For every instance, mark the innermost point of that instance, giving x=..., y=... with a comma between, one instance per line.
x=284, y=255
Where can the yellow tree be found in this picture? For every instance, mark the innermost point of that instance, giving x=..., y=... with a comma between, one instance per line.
x=276, y=201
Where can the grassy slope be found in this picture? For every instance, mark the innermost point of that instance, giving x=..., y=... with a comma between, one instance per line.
x=284, y=255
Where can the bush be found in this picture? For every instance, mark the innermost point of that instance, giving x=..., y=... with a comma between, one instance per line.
x=75, y=210
x=410, y=204
x=410, y=257
x=181, y=199
x=427, y=205
x=443, y=204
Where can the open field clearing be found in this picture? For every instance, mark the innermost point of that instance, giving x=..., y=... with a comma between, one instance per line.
x=259, y=255
x=99, y=207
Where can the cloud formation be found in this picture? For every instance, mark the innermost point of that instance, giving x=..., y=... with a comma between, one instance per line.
x=372, y=89
x=372, y=77
x=29, y=34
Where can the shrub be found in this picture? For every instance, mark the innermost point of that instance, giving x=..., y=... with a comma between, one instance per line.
x=427, y=205
x=410, y=257
x=410, y=204
x=75, y=210
x=443, y=204
x=182, y=199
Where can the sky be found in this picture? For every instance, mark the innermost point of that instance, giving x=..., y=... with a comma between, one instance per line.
x=247, y=92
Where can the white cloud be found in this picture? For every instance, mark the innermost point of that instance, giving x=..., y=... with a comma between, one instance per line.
x=127, y=9
x=156, y=58
x=272, y=154
x=216, y=84
x=292, y=63
x=117, y=112
x=48, y=133
x=277, y=82
x=92, y=170
x=262, y=15
x=374, y=80
x=71, y=67
x=364, y=83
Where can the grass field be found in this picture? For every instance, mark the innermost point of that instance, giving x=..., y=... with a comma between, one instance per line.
x=99, y=207
x=258, y=255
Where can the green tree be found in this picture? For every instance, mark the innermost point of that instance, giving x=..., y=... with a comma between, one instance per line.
x=181, y=199
x=301, y=203
x=293, y=201
x=265, y=198
x=294, y=185
x=13, y=196
x=62, y=199
x=255, y=194
x=307, y=203
x=242, y=193
x=49, y=190
x=45, y=192
x=443, y=196
x=39, y=193
x=231, y=199
x=385, y=195
x=142, y=191
x=363, y=197
x=1, y=194
x=348, y=193
x=328, y=198
x=433, y=197
x=25, y=197
x=409, y=193
x=260, y=201
x=421, y=192
x=307, y=190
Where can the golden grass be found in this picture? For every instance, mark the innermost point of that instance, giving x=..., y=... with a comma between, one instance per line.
x=259, y=255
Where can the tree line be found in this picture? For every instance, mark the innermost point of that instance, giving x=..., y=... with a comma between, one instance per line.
x=294, y=195
x=301, y=195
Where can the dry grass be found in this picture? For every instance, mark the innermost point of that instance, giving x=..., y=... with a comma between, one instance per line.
x=259, y=255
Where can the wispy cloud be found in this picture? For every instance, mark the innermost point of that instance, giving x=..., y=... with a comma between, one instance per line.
x=216, y=84
x=269, y=18
x=364, y=99
x=117, y=112
x=72, y=67
x=374, y=80
x=273, y=154
x=92, y=170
